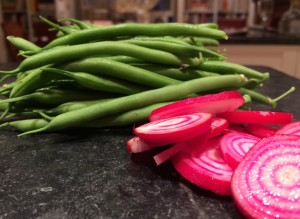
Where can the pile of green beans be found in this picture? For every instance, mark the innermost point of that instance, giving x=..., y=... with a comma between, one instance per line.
x=95, y=77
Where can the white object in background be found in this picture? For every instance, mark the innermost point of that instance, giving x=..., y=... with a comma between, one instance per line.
x=64, y=9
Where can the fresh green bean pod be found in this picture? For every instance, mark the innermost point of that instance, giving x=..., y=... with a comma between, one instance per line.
x=135, y=101
x=175, y=73
x=63, y=30
x=100, y=66
x=224, y=67
x=73, y=105
x=124, y=59
x=25, y=125
x=204, y=41
x=123, y=119
x=97, y=83
x=264, y=99
x=135, y=29
x=127, y=118
x=57, y=96
x=67, y=53
x=22, y=44
x=167, y=39
x=175, y=48
x=81, y=24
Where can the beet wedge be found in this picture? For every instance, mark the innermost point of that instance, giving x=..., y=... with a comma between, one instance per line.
x=211, y=103
x=266, y=184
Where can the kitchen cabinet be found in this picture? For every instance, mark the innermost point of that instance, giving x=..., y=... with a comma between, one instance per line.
x=284, y=58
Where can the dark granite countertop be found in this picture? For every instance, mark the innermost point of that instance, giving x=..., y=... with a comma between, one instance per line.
x=91, y=175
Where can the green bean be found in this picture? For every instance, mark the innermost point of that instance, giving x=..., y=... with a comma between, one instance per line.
x=264, y=99
x=124, y=59
x=131, y=102
x=66, y=53
x=175, y=73
x=100, y=66
x=26, y=124
x=223, y=67
x=209, y=25
x=82, y=25
x=175, y=48
x=204, y=41
x=22, y=44
x=127, y=29
x=56, y=96
x=63, y=30
x=70, y=106
x=127, y=118
x=97, y=83
x=166, y=39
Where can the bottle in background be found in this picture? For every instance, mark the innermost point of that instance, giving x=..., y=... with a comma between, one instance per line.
x=289, y=23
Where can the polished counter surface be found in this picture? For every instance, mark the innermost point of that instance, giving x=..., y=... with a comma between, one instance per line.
x=89, y=174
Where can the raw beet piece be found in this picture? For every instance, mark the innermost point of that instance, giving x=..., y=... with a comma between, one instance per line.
x=257, y=117
x=174, y=129
x=235, y=145
x=292, y=128
x=266, y=184
x=260, y=130
x=205, y=167
x=211, y=103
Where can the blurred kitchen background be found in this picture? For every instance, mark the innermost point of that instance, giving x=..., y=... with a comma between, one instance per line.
x=261, y=32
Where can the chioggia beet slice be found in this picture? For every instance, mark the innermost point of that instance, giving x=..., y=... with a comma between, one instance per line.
x=174, y=129
x=205, y=167
x=212, y=103
x=235, y=145
x=292, y=128
x=260, y=130
x=216, y=128
x=257, y=117
x=266, y=184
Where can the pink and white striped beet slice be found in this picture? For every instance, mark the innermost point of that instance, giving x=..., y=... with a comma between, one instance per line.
x=216, y=128
x=266, y=184
x=174, y=129
x=292, y=128
x=235, y=145
x=211, y=103
x=257, y=117
x=205, y=167
x=260, y=130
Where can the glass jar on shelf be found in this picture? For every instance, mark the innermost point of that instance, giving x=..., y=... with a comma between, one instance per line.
x=289, y=23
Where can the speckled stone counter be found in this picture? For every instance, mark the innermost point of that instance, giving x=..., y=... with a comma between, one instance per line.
x=91, y=175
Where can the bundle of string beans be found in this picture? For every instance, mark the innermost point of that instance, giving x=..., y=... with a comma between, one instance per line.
x=91, y=76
